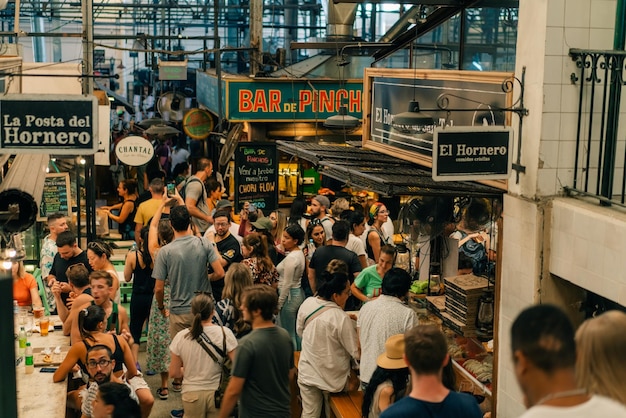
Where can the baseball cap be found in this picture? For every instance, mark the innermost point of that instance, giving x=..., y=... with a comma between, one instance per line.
x=323, y=200
x=263, y=223
x=224, y=203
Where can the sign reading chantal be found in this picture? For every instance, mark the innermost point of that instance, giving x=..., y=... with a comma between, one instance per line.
x=472, y=153
x=53, y=124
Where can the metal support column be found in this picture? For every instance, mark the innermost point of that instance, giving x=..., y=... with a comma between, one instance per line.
x=87, y=87
x=8, y=389
x=256, y=36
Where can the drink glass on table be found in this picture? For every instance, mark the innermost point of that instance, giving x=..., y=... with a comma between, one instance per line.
x=38, y=313
x=44, y=325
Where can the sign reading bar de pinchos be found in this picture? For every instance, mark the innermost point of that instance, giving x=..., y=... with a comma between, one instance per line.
x=53, y=124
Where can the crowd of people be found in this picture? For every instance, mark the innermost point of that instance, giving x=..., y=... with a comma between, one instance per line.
x=215, y=293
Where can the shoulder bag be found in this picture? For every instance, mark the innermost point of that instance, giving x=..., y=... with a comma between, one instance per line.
x=225, y=365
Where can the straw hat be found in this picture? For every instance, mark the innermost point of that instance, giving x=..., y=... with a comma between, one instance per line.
x=394, y=350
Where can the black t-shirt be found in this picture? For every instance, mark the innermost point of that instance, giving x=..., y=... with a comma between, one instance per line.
x=323, y=255
x=230, y=249
x=60, y=265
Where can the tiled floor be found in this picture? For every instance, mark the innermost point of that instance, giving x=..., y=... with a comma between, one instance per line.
x=161, y=408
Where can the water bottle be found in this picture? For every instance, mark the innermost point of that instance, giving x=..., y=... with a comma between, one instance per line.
x=16, y=308
x=29, y=364
x=22, y=339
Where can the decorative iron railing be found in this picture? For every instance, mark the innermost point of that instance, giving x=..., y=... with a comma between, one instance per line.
x=600, y=155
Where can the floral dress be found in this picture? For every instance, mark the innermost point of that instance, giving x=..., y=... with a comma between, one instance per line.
x=261, y=277
x=158, y=348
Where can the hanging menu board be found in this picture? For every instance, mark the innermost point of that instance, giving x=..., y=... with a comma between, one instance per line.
x=56, y=196
x=256, y=175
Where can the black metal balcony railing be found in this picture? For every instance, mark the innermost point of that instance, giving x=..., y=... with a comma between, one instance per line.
x=600, y=153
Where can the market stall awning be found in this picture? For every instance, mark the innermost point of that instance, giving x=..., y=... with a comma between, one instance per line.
x=383, y=174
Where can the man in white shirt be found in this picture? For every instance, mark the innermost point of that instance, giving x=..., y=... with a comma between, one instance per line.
x=544, y=355
x=383, y=317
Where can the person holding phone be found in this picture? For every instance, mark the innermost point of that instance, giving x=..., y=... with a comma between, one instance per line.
x=127, y=190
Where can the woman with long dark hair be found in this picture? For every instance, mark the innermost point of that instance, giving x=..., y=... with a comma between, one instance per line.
x=389, y=381
x=127, y=190
x=190, y=357
x=138, y=268
x=315, y=237
x=256, y=258
x=297, y=212
x=290, y=270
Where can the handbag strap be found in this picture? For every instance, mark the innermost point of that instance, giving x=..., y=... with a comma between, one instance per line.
x=203, y=340
x=320, y=310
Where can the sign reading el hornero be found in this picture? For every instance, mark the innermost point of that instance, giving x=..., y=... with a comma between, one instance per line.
x=472, y=153
x=54, y=124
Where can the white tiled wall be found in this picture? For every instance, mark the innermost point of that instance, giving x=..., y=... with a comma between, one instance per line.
x=569, y=24
x=587, y=246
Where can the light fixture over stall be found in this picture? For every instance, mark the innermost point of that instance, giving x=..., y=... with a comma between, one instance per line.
x=342, y=122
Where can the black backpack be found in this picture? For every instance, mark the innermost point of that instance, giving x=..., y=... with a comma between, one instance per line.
x=183, y=190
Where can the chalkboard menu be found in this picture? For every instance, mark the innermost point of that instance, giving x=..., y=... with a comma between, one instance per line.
x=256, y=175
x=56, y=196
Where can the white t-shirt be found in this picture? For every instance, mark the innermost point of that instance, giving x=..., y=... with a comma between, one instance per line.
x=355, y=245
x=201, y=372
x=597, y=406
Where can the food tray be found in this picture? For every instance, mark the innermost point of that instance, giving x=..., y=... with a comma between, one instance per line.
x=38, y=357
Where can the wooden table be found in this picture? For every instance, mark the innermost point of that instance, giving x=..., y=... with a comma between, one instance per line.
x=37, y=395
x=346, y=404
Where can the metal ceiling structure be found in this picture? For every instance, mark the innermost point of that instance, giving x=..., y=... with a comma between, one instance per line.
x=287, y=24
x=370, y=170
